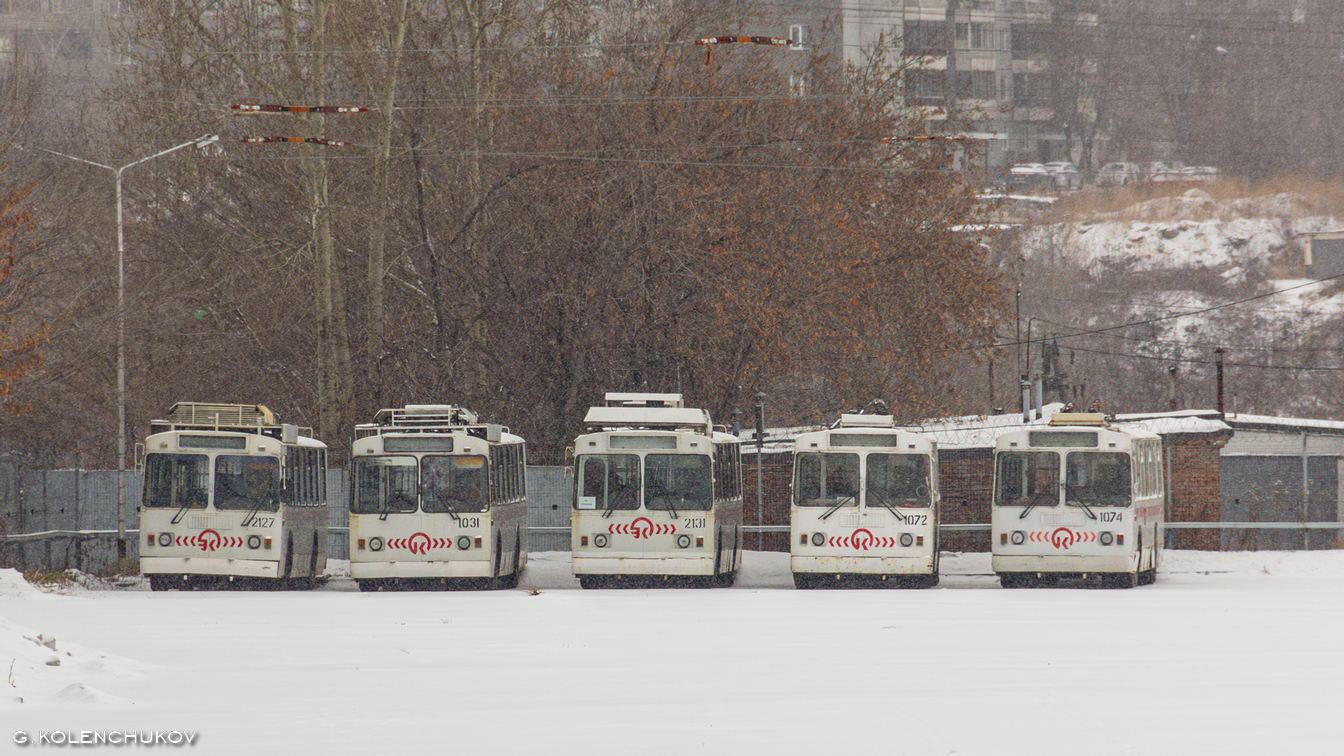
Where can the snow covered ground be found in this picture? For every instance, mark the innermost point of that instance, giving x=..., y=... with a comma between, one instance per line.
x=1229, y=653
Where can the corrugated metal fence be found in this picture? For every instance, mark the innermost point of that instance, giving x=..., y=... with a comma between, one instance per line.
x=70, y=516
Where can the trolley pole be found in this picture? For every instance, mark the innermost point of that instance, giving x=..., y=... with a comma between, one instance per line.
x=202, y=141
x=760, y=483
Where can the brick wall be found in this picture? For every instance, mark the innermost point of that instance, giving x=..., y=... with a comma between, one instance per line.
x=966, y=482
x=776, y=474
x=1196, y=475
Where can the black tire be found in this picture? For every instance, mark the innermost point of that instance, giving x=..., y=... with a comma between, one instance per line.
x=804, y=581
x=366, y=586
x=1121, y=579
x=592, y=582
x=924, y=581
x=1016, y=580
x=160, y=582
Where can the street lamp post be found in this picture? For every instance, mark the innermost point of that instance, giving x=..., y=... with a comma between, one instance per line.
x=121, y=322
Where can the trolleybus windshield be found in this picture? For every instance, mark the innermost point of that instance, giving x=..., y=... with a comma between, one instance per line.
x=1097, y=479
x=898, y=480
x=677, y=482
x=826, y=480
x=1028, y=479
x=384, y=485
x=177, y=480
x=452, y=484
x=608, y=481
x=248, y=483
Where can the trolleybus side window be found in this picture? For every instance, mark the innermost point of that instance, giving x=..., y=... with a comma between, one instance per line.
x=1097, y=479
x=826, y=480
x=383, y=485
x=176, y=480
x=677, y=482
x=247, y=483
x=727, y=480
x=1028, y=479
x=898, y=480
x=608, y=481
x=453, y=484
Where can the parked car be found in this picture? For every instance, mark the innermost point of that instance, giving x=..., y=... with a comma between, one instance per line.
x=1065, y=176
x=1171, y=178
x=1118, y=174
x=1150, y=170
x=1202, y=173
x=1029, y=177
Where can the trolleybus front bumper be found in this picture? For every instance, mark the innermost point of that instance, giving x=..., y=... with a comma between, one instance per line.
x=463, y=568
x=1071, y=564
x=644, y=566
x=866, y=565
x=208, y=566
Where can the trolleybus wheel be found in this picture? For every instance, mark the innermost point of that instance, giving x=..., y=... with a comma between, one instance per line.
x=512, y=580
x=367, y=586
x=1148, y=577
x=803, y=581
x=159, y=582
x=726, y=579
x=1016, y=580
x=924, y=581
x=1120, y=579
x=590, y=582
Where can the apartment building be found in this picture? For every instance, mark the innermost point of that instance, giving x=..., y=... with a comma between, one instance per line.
x=987, y=58
x=63, y=30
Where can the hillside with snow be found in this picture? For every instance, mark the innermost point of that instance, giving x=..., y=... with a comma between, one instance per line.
x=1190, y=273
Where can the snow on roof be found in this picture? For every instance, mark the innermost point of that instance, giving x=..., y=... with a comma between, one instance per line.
x=1285, y=424
x=979, y=431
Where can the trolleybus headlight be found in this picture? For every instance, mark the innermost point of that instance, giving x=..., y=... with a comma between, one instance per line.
x=600, y=540
x=683, y=541
x=165, y=539
x=818, y=539
x=464, y=543
x=1106, y=539
x=1019, y=538
x=375, y=544
x=907, y=539
x=254, y=542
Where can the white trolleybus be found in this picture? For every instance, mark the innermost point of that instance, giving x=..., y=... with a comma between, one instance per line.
x=657, y=496
x=232, y=498
x=865, y=506
x=1077, y=499
x=438, y=500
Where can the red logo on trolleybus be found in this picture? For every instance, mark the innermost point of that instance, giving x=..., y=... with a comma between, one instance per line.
x=642, y=527
x=209, y=540
x=862, y=539
x=1063, y=538
x=419, y=543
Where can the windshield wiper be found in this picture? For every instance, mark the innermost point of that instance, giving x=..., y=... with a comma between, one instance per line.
x=883, y=503
x=181, y=512
x=446, y=506
x=1081, y=503
x=833, y=509
x=247, y=520
x=1030, y=506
